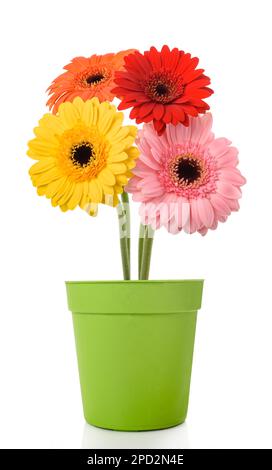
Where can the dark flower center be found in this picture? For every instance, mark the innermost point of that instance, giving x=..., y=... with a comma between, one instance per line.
x=82, y=154
x=188, y=170
x=95, y=78
x=161, y=89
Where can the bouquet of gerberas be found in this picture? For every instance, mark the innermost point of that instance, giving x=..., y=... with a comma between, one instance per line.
x=184, y=178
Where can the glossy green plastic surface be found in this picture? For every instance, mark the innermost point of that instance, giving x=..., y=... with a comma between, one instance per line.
x=135, y=343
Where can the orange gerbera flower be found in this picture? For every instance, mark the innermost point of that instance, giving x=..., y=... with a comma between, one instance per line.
x=86, y=77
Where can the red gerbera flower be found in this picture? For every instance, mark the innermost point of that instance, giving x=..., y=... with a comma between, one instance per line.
x=162, y=87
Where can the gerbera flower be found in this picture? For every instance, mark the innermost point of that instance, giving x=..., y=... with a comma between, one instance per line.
x=186, y=179
x=86, y=77
x=84, y=155
x=163, y=87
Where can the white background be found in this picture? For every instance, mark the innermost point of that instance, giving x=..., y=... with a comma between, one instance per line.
x=231, y=389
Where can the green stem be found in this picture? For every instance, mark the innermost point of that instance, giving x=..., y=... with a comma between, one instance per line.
x=140, y=249
x=146, y=252
x=124, y=232
x=125, y=200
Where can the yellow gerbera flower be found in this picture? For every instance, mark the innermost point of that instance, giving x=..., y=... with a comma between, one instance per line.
x=84, y=155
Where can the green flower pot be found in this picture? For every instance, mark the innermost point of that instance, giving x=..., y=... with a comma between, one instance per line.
x=135, y=342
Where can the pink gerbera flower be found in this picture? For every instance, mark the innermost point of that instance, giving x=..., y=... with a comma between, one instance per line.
x=186, y=179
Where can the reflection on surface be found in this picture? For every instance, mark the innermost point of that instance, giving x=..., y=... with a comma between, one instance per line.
x=172, y=438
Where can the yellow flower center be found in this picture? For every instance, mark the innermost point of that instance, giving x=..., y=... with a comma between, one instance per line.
x=82, y=153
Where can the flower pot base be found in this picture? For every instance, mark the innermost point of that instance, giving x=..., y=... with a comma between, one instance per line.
x=155, y=427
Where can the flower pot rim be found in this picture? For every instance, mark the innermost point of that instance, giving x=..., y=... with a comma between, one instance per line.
x=136, y=281
x=134, y=297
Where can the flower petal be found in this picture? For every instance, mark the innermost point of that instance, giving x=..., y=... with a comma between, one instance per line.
x=228, y=190
x=205, y=211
